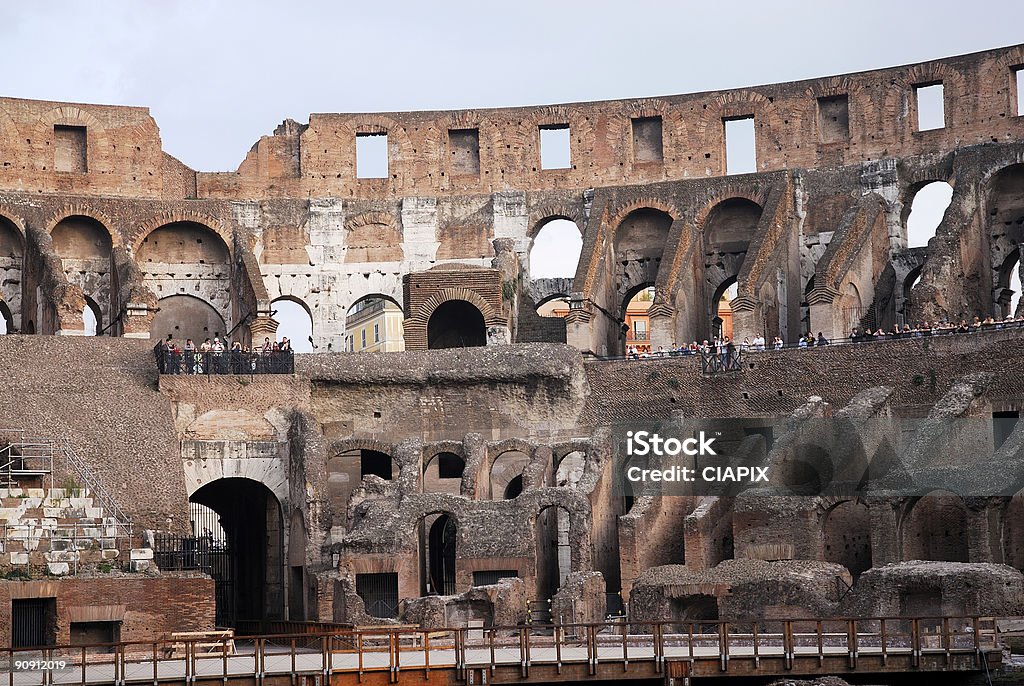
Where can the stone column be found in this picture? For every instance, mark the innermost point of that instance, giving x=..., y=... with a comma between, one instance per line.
x=662, y=319
x=822, y=309
x=885, y=544
x=745, y=322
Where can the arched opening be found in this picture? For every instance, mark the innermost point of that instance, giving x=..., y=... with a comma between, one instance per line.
x=852, y=308
x=85, y=249
x=374, y=324
x=92, y=318
x=728, y=230
x=248, y=565
x=6, y=319
x=456, y=324
x=11, y=262
x=846, y=536
x=926, y=211
x=188, y=259
x=514, y=488
x=376, y=463
x=638, y=246
x=569, y=470
x=935, y=528
x=636, y=320
x=1005, y=224
x=1008, y=286
x=294, y=322
x=443, y=474
x=437, y=534
x=185, y=317
x=556, y=250
x=721, y=308
x=557, y=306
x=554, y=551
x=508, y=466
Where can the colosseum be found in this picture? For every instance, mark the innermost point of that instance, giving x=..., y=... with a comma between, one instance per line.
x=473, y=488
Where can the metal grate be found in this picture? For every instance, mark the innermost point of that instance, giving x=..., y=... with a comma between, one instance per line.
x=379, y=593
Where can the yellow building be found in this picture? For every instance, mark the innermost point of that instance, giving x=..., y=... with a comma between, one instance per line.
x=638, y=335
x=374, y=325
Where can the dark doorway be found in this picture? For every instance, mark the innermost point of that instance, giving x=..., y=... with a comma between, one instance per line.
x=440, y=556
x=248, y=576
x=33, y=622
x=379, y=593
x=93, y=633
x=456, y=324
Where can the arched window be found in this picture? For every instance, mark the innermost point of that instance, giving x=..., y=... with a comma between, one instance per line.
x=456, y=324
x=556, y=250
x=374, y=324
x=926, y=212
x=294, y=322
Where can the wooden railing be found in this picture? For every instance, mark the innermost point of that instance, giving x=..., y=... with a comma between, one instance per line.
x=950, y=643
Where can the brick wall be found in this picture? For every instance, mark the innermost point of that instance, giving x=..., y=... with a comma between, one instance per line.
x=147, y=607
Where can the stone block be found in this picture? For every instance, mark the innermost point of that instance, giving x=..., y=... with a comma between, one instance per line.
x=142, y=554
x=58, y=568
x=19, y=558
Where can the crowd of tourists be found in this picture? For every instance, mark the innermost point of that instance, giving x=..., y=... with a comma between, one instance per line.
x=219, y=356
x=725, y=347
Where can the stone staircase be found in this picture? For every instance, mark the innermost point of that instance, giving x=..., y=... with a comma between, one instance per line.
x=59, y=531
x=52, y=531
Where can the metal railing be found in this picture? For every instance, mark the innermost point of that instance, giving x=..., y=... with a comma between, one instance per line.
x=226, y=362
x=725, y=361
x=42, y=452
x=22, y=456
x=914, y=334
x=793, y=646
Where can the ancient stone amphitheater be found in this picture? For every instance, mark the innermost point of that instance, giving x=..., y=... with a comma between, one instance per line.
x=482, y=483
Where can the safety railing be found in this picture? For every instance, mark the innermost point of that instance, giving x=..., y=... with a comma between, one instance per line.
x=314, y=651
x=226, y=362
x=688, y=351
x=24, y=457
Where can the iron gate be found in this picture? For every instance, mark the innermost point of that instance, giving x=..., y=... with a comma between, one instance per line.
x=32, y=622
x=379, y=593
x=206, y=554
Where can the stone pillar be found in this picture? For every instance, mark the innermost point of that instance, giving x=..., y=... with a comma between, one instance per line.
x=662, y=319
x=745, y=322
x=885, y=543
x=137, y=321
x=262, y=326
x=979, y=541
x=578, y=324
x=823, y=319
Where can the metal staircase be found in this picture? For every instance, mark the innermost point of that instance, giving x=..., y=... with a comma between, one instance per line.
x=24, y=457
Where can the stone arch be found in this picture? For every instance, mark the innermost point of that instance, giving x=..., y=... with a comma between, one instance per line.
x=252, y=516
x=85, y=245
x=183, y=316
x=1004, y=224
x=553, y=241
x=183, y=217
x=846, y=535
x=934, y=527
x=542, y=214
x=491, y=316
x=443, y=471
x=295, y=323
x=373, y=237
x=456, y=324
x=82, y=210
x=638, y=247
x=12, y=251
x=438, y=532
x=507, y=466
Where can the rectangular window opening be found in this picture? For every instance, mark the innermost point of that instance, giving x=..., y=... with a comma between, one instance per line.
x=740, y=146
x=379, y=593
x=91, y=633
x=1018, y=79
x=376, y=333
x=647, y=142
x=931, y=108
x=33, y=622
x=464, y=145
x=371, y=155
x=70, y=150
x=554, y=147
x=834, y=119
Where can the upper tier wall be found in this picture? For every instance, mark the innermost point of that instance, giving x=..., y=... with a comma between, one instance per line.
x=105, y=150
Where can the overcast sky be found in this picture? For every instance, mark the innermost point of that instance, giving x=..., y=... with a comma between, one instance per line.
x=217, y=75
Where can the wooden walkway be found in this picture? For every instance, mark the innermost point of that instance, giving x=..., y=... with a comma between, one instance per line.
x=539, y=654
